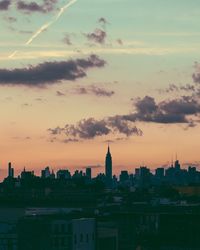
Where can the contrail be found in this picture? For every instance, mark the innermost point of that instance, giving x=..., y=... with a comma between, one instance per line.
x=46, y=25
x=13, y=54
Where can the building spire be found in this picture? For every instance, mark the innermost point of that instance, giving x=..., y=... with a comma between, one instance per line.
x=108, y=148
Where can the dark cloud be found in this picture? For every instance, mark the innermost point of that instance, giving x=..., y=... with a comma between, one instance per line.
x=50, y=72
x=123, y=126
x=47, y=6
x=4, y=5
x=183, y=110
x=94, y=90
x=91, y=128
x=175, y=88
x=170, y=111
x=97, y=36
x=84, y=129
x=101, y=91
x=184, y=105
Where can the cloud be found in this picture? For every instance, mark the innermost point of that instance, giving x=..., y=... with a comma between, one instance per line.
x=70, y=140
x=5, y=4
x=123, y=126
x=67, y=39
x=188, y=87
x=50, y=72
x=91, y=128
x=10, y=19
x=47, y=6
x=174, y=88
x=166, y=112
x=97, y=36
x=93, y=166
x=59, y=93
x=94, y=90
x=196, y=74
x=119, y=41
x=102, y=20
x=184, y=110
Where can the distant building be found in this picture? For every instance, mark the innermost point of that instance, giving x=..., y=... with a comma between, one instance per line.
x=177, y=165
x=124, y=176
x=89, y=173
x=10, y=170
x=160, y=172
x=84, y=234
x=63, y=174
x=107, y=236
x=45, y=173
x=108, y=165
x=27, y=175
x=57, y=233
x=8, y=236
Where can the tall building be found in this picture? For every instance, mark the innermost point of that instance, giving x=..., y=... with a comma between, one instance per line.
x=45, y=173
x=108, y=165
x=10, y=170
x=89, y=173
x=177, y=165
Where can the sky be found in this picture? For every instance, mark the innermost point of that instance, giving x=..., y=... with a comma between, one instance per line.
x=75, y=75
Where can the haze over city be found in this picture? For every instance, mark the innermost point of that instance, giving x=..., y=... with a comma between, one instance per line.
x=75, y=75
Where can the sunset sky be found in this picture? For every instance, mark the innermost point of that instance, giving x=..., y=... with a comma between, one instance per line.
x=124, y=71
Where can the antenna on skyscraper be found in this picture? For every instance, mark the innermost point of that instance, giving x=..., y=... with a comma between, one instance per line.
x=172, y=161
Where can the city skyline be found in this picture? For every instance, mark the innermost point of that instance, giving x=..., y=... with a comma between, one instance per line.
x=77, y=74
x=94, y=170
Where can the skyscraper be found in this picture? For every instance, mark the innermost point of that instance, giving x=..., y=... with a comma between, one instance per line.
x=108, y=165
x=89, y=173
x=10, y=170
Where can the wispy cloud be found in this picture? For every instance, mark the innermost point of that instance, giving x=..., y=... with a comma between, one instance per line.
x=93, y=90
x=149, y=51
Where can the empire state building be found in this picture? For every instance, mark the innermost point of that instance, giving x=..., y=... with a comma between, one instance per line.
x=108, y=165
